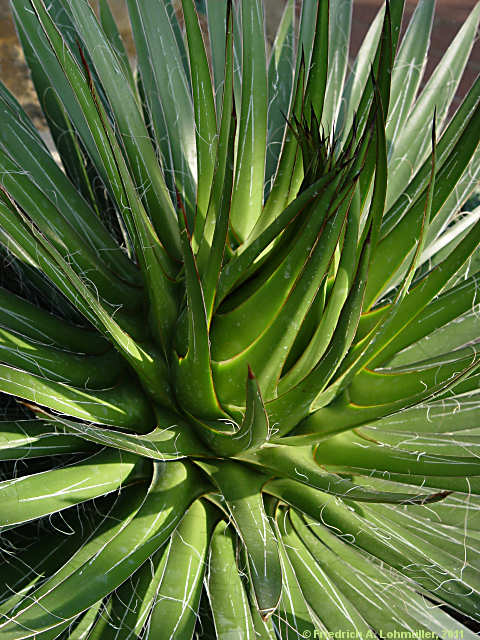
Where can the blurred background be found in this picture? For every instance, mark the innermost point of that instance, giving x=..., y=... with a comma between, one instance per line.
x=449, y=16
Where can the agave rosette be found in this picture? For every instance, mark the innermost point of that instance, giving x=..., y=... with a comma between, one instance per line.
x=240, y=321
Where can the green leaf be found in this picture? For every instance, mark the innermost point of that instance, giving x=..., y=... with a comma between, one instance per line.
x=252, y=135
x=409, y=68
x=416, y=187
x=254, y=309
x=410, y=146
x=79, y=167
x=212, y=251
x=318, y=68
x=252, y=433
x=439, y=417
x=204, y=107
x=315, y=381
x=101, y=626
x=27, y=149
x=239, y=266
x=379, y=540
x=51, y=363
x=172, y=490
x=460, y=332
x=230, y=608
x=380, y=69
x=350, y=450
x=132, y=603
x=335, y=611
x=414, y=387
x=392, y=320
x=29, y=243
x=192, y=370
x=20, y=315
x=86, y=623
x=293, y=617
x=358, y=76
x=178, y=598
x=298, y=464
x=46, y=556
x=358, y=582
x=308, y=22
x=280, y=85
x=324, y=331
x=304, y=273
x=124, y=405
x=436, y=250
x=240, y=487
x=217, y=21
x=33, y=496
x=172, y=439
x=289, y=175
x=63, y=235
x=459, y=562
x=111, y=517
x=114, y=37
x=151, y=255
x=457, y=445
x=34, y=439
x=425, y=291
x=131, y=128
x=303, y=394
x=160, y=64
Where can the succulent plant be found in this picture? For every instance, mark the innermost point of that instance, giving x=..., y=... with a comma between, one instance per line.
x=239, y=318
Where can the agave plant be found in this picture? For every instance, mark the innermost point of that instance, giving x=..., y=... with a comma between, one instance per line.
x=239, y=321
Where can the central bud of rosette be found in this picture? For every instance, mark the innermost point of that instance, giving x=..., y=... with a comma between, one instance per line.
x=252, y=331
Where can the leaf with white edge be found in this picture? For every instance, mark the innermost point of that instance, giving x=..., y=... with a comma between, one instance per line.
x=318, y=68
x=280, y=84
x=230, y=607
x=318, y=590
x=29, y=243
x=28, y=497
x=168, y=97
x=131, y=128
x=204, y=108
x=81, y=630
x=240, y=488
x=339, y=25
x=293, y=617
x=28, y=150
x=178, y=598
x=171, y=491
x=299, y=464
x=217, y=20
x=58, y=365
x=409, y=67
x=410, y=148
x=35, y=439
x=358, y=76
x=352, y=450
x=252, y=135
x=172, y=439
x=124, y=405
x=21, y=316
x=110, y=28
